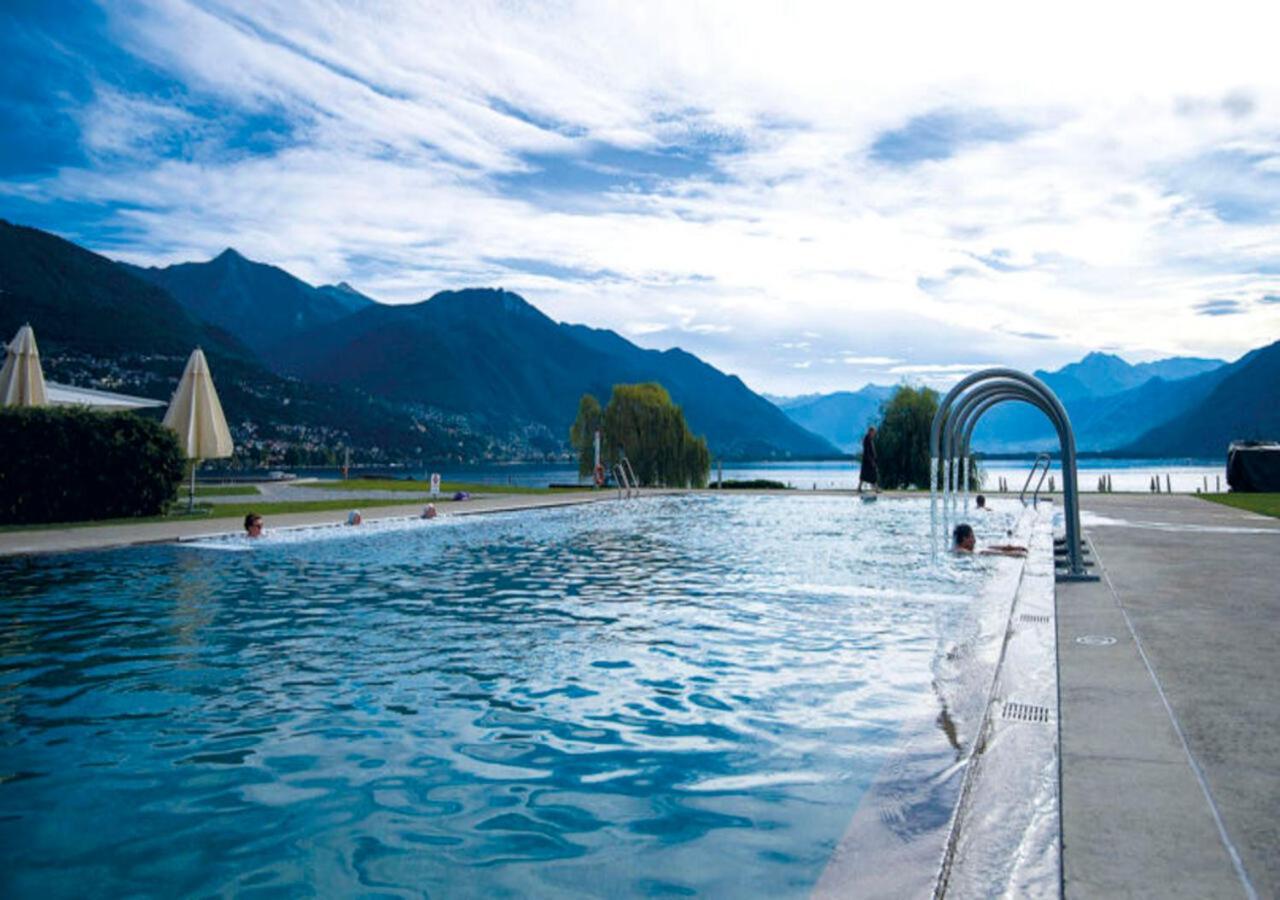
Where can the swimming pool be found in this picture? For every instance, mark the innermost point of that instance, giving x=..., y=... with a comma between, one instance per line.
x=661, y=697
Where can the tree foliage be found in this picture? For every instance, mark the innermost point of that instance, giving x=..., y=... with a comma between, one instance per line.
x=583, y=431
x=902, y=439
x=643, y=423
x=63, y=465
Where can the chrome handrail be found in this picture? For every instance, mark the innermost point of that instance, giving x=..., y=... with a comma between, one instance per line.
x=1022, y=494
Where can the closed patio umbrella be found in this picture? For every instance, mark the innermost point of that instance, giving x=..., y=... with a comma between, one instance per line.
x=195, y=414
x=21, y=379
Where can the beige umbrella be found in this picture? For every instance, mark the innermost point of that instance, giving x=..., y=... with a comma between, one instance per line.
x=196, y=416
x=21, y=379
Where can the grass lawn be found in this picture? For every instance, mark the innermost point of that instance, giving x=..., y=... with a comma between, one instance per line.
x=1263, y=504
x=421, y=487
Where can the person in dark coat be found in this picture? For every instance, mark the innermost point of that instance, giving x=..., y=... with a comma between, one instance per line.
x=870, y=473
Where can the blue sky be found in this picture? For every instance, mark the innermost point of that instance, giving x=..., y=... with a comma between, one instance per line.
x=812, y=198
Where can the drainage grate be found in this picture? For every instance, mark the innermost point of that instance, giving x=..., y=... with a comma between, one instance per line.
x=1034, y=619
x=1026, y=712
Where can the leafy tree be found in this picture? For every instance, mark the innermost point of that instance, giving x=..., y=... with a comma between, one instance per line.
x=642, y=422
x=902, y=439
x=583, y=432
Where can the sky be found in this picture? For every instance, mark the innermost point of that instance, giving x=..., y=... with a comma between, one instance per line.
x=812, y=196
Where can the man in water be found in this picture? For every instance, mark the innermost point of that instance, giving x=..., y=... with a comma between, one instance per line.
x=982, y=503
x=429, y=512
x=870, y=473
x=964, y=541
x=253, y=525
x=354, y=517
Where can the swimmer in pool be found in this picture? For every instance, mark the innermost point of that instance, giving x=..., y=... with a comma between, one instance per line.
x=964, y=541
x=253, y=525
x=981, y=502
x=354, y=517
x=429, y=512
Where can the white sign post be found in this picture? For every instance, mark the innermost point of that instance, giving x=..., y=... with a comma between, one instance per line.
x=435, y=484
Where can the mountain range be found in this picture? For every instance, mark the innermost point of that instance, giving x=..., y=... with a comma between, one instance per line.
x=476, y=373
x=229, y=291
x=1182, y=406
x=482, y=374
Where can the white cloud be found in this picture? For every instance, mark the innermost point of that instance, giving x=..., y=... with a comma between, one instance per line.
x=869, y=360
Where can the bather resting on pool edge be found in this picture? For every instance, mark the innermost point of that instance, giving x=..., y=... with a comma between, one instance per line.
x=964, y=541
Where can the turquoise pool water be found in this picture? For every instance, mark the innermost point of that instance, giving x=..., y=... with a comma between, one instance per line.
x=657, y=697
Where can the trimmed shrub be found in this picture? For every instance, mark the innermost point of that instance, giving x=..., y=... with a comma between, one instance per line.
x=72, y=464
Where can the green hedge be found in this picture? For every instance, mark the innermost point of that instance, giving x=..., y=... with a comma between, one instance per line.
x=71, y=464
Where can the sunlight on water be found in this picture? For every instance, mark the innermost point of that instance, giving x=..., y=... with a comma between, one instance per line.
x=662, y=696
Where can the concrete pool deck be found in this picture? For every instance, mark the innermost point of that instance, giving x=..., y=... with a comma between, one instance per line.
x=1170, y=784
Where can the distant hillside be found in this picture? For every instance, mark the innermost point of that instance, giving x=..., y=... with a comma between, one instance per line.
x=259, y=304
x=1244, y=403
x=1104, y=374
x=97, y=325
x=491, y=355
x=842, y=417
x=1110, y=402
x=73, y=296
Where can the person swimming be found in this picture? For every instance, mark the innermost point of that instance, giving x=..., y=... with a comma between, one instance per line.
x=354, y=517
x=963, y=540
x=429, y=512
x=981, y=502
x=253, y=525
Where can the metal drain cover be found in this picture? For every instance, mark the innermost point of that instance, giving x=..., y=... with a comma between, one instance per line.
x=1035, y=619
x=1096, y=640
x=1026, y=712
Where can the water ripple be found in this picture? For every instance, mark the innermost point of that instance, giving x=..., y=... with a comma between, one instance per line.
x=670, y=696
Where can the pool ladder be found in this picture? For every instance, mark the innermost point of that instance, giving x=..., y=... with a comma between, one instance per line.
x=626, y=478
x=1035, y=496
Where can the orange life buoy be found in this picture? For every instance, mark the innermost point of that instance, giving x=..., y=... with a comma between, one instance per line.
x=599, y=475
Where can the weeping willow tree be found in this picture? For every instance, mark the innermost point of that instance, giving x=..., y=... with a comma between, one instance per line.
x=902, y=439
x=582, y=434
x=642, y=422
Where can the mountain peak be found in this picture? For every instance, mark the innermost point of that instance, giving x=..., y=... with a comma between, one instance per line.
x=468, y=298
x=229, y=255
x=1097, y=356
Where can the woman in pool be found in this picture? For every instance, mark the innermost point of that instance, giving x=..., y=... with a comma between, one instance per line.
x=253, y=525
x=964, y=541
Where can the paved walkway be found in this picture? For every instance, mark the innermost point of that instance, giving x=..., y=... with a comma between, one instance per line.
x=1170, y=784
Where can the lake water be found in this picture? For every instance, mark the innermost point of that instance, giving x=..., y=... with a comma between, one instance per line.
x=1185, y=475
x=663, y=697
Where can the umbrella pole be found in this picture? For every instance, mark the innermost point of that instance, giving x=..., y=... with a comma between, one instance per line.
x=191, y=493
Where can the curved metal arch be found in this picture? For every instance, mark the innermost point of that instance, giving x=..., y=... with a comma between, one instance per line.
x=967, y=421
x=1066, y=439
x=953, y=447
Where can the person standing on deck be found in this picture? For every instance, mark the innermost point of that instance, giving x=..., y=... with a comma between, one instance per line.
x=870, y=473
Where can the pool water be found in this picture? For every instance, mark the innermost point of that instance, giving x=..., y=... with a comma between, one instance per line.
x=657, y=697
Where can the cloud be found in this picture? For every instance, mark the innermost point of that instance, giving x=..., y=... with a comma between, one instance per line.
x=869, y=360
x=957, y=369
x=1219, y=307
x=745, y=192
x=1269, y=298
